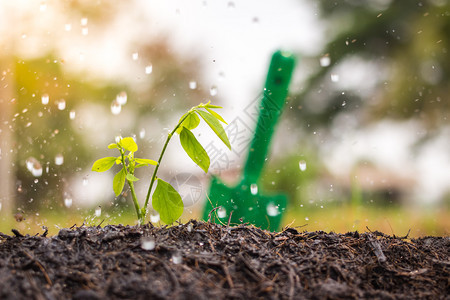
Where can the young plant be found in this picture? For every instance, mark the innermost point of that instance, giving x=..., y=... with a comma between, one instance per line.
x=165, y=199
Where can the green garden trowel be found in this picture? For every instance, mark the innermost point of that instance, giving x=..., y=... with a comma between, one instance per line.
x=244, y=203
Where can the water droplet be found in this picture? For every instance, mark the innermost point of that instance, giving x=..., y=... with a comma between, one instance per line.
x=61, y=104
x=306, y=218
x=221, y=212
x=68, y=27
x=213, y=90
x=254, y=189
x=116, y=108
x=85, y=181
x=334, y=77
x=84, y=31
x=34, y=166
x=177, y=258
x=59, y=159
x=142, y=133
x=45, y=99
x=122, y=98
x=43, y=6
x=72, y=114
x=272, y=210
x=154, y=217
x=118, y=139
x=344, y=103
x=148, y=243
x=302, y=165
x=135, y=56
x=192, y=85
x=84, y=21
x=0, y=206
x=68, y=202
x=98, y=211
x=149, y=69
x=325, y=61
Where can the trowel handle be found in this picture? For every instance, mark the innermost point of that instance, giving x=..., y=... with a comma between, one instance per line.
x=270, y=108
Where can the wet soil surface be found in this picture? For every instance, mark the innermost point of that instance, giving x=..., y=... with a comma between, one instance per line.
x=206, y=261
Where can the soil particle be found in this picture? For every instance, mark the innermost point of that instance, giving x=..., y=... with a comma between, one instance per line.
x=207, y=261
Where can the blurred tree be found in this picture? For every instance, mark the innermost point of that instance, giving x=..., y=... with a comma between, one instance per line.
x=402, y=50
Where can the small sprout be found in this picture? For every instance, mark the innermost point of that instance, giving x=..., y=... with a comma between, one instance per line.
x=165, y=199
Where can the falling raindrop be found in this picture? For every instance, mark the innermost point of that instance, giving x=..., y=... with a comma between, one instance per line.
x=122, y=98
x=344, y=103
x=85, y=181
x=213, y=90
x=306, y=219
x=334, y=77
x=302, y=165
x=149, y=69
x=34, y=166
x=116, y=108
x=192, y=85
x=148, y=243
x=254, y=189
x=68, y=27
x=142, y=133
x=43, y=6
x=325, y=61
x=45, y=99
x=0, y=206
x=272, y=210
x=135, y=56
x=221, y=212
x=68, y=202
x=84, y=31
x=59, y=159
x=98, y=211
x=72, y=114
x=61, y=104
x=154, y=217
x=84, y=21
x=177, y=258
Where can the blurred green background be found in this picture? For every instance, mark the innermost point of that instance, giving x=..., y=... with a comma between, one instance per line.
x=364, y=141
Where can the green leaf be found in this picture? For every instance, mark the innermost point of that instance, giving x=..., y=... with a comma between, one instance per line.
x=218, y=117
x=207, y=105
x=191, y=122
x=113, y=146
x=128, y=144
x=103, y=164
x=215, y=126
x=131, y=177
x=167, y=202
x=119, y=182
x=194, y=149
x=145, y=161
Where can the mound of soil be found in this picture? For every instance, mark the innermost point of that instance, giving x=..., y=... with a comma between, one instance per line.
x=206, y=261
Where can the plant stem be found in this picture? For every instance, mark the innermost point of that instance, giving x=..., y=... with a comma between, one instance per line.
x=131, y=185
x=169, y=136
x=136, y=203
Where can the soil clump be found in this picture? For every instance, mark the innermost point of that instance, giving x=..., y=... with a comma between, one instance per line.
x=201, y=260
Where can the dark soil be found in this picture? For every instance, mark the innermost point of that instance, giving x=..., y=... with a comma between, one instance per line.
x=207, y=261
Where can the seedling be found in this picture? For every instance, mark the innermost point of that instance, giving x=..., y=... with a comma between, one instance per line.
x=165, y=199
